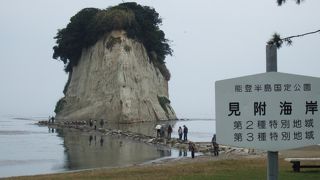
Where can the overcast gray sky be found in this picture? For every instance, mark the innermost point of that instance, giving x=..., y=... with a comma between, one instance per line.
x=211, y=39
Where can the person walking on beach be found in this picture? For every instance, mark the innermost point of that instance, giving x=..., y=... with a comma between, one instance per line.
x=185, y=133
x=192, y=148
x=215, y=145
x=169, y=131
x=180, y=133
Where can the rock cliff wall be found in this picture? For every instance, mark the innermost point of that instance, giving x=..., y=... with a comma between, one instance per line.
x=116, y=81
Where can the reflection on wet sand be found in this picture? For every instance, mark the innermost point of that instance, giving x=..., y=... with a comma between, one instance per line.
x=91, y=150
x=184, y=151
x=50, y=130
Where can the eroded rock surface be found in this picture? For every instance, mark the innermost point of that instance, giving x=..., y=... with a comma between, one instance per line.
x=116, y=81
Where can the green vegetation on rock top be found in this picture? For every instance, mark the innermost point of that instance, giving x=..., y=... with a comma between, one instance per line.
x=141, y=23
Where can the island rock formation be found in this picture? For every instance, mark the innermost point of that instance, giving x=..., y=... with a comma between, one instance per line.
x=115, y=81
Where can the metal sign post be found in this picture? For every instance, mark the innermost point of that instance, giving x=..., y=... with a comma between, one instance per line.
x=271, y=66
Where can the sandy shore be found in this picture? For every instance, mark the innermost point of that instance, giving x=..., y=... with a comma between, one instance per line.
x=239, y=153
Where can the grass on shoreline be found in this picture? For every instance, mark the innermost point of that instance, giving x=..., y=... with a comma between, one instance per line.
x=222, y=170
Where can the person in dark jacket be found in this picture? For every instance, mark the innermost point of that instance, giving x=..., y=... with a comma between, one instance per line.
x=101, y=123
x=215, y=145
x=169, y=131
x=52, y=119
x=185, y=133
x=162, y=131
x=192, y=148
x=90, y=122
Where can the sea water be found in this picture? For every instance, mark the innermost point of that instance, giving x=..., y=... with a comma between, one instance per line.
x=28, y=149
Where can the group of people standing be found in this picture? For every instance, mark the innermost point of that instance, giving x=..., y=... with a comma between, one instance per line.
x=161, y=129
x=183, y=135
x=94, y=123
x=51, y=119
x=183, y=132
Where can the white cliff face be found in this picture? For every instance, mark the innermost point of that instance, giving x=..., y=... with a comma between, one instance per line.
x=116, y=81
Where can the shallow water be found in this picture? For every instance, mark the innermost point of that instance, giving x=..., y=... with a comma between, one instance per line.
x=198, y=130
x=28, y=149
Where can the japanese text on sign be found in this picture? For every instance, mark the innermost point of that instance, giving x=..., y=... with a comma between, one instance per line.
x=272, y=87
x=270, y=111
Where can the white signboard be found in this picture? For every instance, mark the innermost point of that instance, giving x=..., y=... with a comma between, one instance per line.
x=270, y=111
